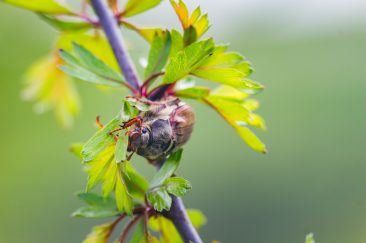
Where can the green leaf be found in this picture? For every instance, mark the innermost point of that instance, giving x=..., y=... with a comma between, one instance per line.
x=98, y=207
x=95, y=212
x=85, y=75
x=195, y=92
x=121, y=147
x=93, y=199
x=97, y=44
x=64, y=25
x=86, y=66
x=123, y=198
x=41, y=6
x=128, y=111
x=228, y=68
x=137, y=184
x=91, y=62
x=177, y=186
x=309, y=238
x=160, y=199
x=139, y=103
x=99, y=234
x=159, y=53
x=167, y=170
x=100, y=140
x=190, y=36
x=187, y=60
x=134, y=7
x=177, y=43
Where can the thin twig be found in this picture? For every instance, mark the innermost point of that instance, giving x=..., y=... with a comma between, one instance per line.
x=146, y=220
x=125, y=232
x=114, y=224
x=127, y=85
x=147, y=82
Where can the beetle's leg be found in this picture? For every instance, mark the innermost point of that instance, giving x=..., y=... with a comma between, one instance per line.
x=98, y=122
x=134, y=121
x=130, y=156
x=144, y=101
x=115, y=130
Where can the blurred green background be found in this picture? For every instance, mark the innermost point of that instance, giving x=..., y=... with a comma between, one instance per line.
x=310, y=55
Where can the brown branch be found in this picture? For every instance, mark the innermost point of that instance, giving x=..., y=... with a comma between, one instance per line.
x=147, y=82
x=125, y=232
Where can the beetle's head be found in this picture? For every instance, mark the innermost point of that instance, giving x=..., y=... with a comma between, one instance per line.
x=139, y=137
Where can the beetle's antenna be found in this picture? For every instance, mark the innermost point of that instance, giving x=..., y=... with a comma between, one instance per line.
x=115, y=130
x=98, y=122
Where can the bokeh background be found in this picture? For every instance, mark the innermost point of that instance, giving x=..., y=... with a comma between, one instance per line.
x=310, y=55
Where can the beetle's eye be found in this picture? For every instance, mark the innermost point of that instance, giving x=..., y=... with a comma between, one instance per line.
x=144, y=130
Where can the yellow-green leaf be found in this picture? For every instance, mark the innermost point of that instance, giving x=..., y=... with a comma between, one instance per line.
x=51, y=89
x=99, y=167
x=65, y=25
x=167, y=230
x=147, y=33
x=238, y=116
x=123, y=198
x=99, y=234
x=195, y=92
x=101, y=140
x=76, y=148
x=201, y=26
x=97, y=44
x=194, y=26
x=121, y=147
x=134, y=7
x=228, y=68
x=309, y=238
x=41, y=6
x=197, y=218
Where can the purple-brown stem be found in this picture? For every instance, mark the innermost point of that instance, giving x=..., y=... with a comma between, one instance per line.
x=177, y=213
x=111, y=29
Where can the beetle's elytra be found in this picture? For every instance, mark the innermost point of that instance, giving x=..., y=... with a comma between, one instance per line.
x=161, y=130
